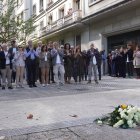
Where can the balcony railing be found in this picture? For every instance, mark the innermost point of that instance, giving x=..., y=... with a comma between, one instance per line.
x=60, y=22
x=48, y=28
x=43, y=31
x=54, y=25
x=77, y=15
x=69, y=19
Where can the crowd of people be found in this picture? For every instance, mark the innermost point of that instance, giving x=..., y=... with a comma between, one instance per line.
x=59, y=64
x=51, y=63
x=124, y=61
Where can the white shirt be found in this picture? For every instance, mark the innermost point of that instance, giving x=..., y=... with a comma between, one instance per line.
x=7, y=58
x=20, y=59
x=58, y=61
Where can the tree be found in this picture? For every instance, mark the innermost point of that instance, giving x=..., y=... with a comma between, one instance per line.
x=26, y=28
x=12, y=26
x=8, y=24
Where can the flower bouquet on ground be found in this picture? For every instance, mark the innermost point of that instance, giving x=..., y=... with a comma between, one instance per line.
x=124, y=116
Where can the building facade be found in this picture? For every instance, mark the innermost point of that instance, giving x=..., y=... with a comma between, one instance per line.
x=108, y=24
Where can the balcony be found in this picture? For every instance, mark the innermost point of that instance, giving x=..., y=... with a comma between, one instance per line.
x=54, y=25
x=68, y=19
x=43, y=31
x=77, y=15
x=60, y=22
x=48, y=28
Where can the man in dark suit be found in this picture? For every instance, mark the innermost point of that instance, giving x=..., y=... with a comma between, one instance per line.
x=12, y=52
x=31, y=64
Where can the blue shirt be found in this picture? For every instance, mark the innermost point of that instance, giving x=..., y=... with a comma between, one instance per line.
x=32, y=54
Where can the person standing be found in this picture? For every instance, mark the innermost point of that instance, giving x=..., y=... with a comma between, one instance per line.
x=58, y=64
x=44, y=64
x=67, y=63
x=92, y=54
x=129, y=60
x=109, y=59
x=78, y=65
x=51, y=74
x=38, y=69
x=20, y=66
x=31, y=57
x=12, y=50
x=137, y=61
x=122, y=65
x=6, y=67
x=99, y=62
x=103, y=61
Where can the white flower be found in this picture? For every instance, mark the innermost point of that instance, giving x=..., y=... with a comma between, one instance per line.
x=130, y=123
x=120, y=110
x=118, y=124
x=99, y=122
x=134, y=125
x=136, y=118
x=124, y=116
x=130, y=116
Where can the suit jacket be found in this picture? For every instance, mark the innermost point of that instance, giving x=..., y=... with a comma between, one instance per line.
x=54, y=53
x=3, y=60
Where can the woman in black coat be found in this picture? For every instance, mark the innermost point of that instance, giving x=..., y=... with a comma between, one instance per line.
x=68, y=62
x=78, y=65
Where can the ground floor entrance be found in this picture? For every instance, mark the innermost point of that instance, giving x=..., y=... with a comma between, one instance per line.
x=120, y=40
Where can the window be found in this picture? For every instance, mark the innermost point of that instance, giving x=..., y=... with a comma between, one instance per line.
x=61, y=13
x=77, y=5
x=41, y=5
x=41, y=25
x=50, y=19
x=34, y=9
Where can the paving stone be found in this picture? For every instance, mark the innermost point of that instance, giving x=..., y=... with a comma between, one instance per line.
x=61, y=134
x=96, y=132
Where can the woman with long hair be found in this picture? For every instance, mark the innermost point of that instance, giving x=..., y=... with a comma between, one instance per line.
x=67, y=62
x=44, y=63
x=78, y=64
x=137, y=61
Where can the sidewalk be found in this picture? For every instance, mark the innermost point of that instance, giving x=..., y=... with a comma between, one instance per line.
x=83, y=132
x=67, y=113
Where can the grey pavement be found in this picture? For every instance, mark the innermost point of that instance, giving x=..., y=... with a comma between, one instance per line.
x=66, y=113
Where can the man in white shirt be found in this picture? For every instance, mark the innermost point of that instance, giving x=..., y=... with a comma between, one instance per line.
x=58, y=64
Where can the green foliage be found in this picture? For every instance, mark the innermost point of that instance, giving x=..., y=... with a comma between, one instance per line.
x=26, y=28
x=10, y=27
x=8, y=23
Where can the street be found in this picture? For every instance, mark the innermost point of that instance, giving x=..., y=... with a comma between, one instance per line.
x=66, y=107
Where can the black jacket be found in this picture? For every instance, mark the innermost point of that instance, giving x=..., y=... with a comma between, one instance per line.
x=3, y=60
x=129, y=54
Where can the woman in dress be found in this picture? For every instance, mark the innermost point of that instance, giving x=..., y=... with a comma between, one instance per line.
x=78, y=64
x=67, y=63
x=20, y=66
x=44, y=64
